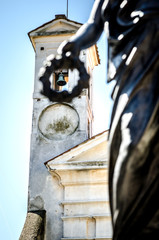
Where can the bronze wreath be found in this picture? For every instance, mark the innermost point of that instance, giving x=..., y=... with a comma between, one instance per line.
x=55, y=63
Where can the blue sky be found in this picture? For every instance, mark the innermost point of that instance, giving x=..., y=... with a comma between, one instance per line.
x=17, y=18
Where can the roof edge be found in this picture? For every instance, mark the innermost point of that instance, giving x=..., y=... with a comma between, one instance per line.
x=78, y=145
x=57, y=17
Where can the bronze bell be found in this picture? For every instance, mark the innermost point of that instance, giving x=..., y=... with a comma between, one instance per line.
x=61, y=80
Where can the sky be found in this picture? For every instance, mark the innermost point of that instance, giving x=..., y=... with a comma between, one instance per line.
x=17, y=59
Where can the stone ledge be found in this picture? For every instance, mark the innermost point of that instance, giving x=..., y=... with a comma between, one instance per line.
x=96, y=238
x=84, y=201
x=53, y=33
x=66, y=167
x=84, y=183
x=85, y=216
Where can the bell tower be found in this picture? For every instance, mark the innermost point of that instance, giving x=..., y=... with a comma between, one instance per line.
x=45, y=40
x=56, y=127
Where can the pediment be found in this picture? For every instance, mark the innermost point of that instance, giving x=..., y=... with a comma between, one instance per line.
x=91, y=154
x=55, y=26
x=60, y=26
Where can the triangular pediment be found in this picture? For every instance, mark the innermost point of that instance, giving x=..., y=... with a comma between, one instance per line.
x=55, y=26
x=89, y=154
x=60, y=25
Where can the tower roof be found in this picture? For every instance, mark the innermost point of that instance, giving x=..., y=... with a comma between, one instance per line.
x=59, y=25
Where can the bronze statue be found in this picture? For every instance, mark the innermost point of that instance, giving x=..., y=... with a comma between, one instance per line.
x=133, y=38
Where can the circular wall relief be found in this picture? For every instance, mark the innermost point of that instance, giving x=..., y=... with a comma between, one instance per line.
x=58, y=121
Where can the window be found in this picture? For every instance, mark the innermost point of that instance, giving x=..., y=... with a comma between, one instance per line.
x=57, y=76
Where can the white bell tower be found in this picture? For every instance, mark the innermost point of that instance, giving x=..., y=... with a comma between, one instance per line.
x=56, y=127
x=45, y=40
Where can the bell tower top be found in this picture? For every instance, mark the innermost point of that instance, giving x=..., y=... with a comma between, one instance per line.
x=60, y=25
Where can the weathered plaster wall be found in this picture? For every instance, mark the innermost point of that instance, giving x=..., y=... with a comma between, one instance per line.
x=86, y=213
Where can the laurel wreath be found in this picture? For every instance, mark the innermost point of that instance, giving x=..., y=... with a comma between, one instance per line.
x=54, y=63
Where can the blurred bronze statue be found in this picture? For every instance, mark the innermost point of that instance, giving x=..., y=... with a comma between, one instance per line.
x=133, y=63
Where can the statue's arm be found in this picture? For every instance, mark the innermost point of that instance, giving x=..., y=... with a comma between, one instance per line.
x=88, y=34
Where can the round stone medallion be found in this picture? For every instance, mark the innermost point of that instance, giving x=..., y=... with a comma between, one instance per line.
x=58, y=121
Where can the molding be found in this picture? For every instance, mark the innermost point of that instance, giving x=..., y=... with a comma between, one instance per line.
x=39, y=34
x=106, y=215
x=94, y=238
x=74, y=202
x=84, y=183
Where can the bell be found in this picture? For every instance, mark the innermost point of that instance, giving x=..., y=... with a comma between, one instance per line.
x=61, y=81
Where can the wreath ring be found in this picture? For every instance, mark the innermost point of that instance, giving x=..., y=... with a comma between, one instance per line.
x=54, y=63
